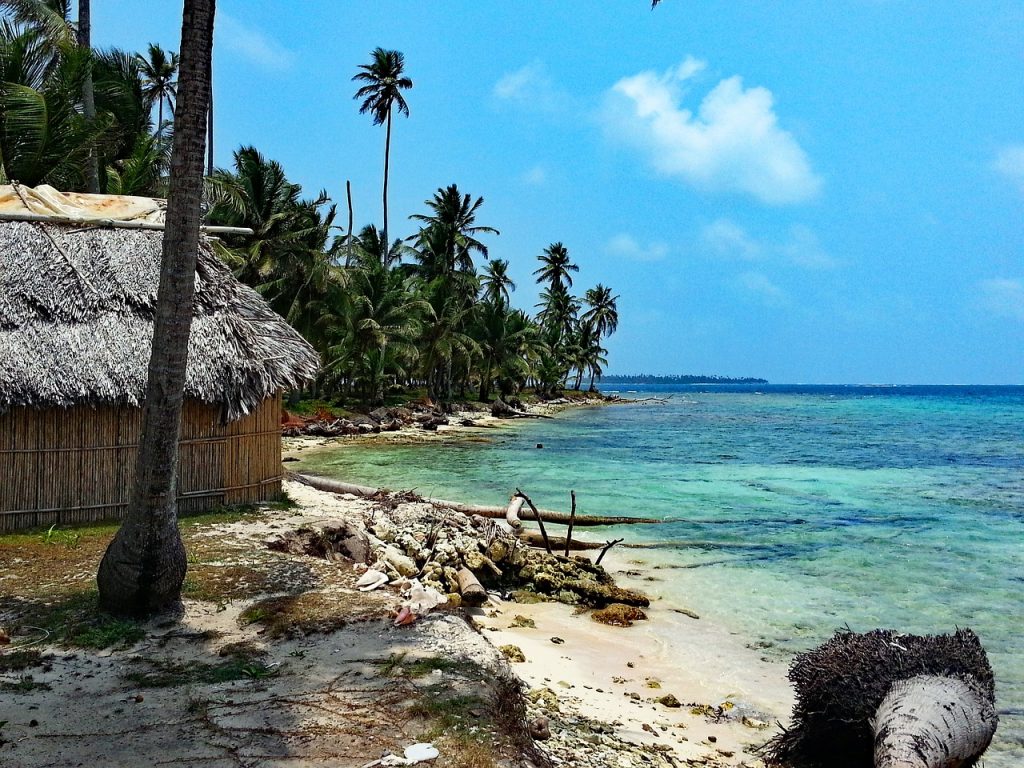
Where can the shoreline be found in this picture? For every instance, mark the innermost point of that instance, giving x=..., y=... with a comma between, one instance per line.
x=597, y=686
x=462, y=424
x=728, y=691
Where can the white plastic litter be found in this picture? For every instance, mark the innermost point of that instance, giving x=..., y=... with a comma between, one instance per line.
x=422, y=600
x=371, y=580
x=415, y=753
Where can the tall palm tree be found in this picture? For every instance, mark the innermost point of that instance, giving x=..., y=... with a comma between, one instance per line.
x=159, y=70
x=385, y=80
x=602, y=314
x=144, y=567
x=555, y=266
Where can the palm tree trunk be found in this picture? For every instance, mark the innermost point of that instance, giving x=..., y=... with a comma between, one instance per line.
x=209, y=118
x=932, y=722
x=387, y=168
x=160, y=116
x=92, y=164
x=143, y=568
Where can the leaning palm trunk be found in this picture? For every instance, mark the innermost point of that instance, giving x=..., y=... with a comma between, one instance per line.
x=889, y=700
x=143, y=568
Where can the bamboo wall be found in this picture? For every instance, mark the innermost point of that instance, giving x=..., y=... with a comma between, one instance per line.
x=77, y=464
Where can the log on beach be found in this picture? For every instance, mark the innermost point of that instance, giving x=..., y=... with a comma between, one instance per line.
x=472, y=591
x=549, y=516
x=534, y=539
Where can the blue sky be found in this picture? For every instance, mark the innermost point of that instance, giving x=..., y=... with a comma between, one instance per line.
x=805, y=191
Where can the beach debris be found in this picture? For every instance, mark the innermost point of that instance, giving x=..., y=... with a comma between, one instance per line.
x=604, y=550
x=557, y=641
x=371, y=580
x=472, y=591
x=888, y=699
x=618, y=615
x=670, y=701
x=686, y=612
x=540, y=728
x=405, y=617
x=515, y=505
x=513, y=653
x=415, y=753
x=337, y=486
x=522, y=621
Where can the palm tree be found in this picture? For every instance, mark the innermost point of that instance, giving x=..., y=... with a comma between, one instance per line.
x=158, y=70
x=602, y=313
x=144, y=567
x=43, y=138
x=385, y=80
x=555, y=266
x=449, y=237
x=258, y=195
x=497, y=285
x=376, y=334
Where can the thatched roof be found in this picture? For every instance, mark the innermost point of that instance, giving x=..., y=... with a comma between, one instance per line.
x=76, y=323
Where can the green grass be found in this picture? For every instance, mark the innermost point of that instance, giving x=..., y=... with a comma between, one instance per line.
x=398, y=664
x=243, y=662
x=25, y=685
x=76, y=620
x=16, y=661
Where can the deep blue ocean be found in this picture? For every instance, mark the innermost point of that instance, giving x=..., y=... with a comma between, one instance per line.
x=790, y=511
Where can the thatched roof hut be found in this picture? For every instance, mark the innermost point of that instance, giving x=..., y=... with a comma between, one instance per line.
x=77, y=300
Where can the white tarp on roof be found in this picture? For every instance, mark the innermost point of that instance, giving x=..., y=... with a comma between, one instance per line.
x=44, y=200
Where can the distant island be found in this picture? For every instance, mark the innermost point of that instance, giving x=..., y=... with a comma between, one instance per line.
x=646, y=378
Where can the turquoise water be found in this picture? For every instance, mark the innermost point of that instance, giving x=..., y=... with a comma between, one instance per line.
x=792, y=511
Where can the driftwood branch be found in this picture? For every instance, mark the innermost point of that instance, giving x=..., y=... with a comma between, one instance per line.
x=572, y=519
x=538, y=517
x=604, y=550
x=561, y=518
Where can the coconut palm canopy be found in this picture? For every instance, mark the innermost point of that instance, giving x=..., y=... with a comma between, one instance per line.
x=76, y=322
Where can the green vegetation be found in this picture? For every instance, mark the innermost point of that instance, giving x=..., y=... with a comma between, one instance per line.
x=429, y=310
x=243, y=662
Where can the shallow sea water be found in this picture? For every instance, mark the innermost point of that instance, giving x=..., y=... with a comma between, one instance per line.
x=790, y=511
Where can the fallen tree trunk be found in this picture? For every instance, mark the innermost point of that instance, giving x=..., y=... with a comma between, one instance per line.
x=472, y=591
x=534, y=539
x=933, y=722
x=855, y=695
x=337, y=486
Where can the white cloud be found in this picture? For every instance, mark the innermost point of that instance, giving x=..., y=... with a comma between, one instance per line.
x=733, y=143
x=805, y=250
x=1009, y=162
x=763, y=288
x=1002, y=297
x=801, y=248
x=531, y=86
x=627, y=247
x=537, y=176
x=251, y=43
x=727, y=238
